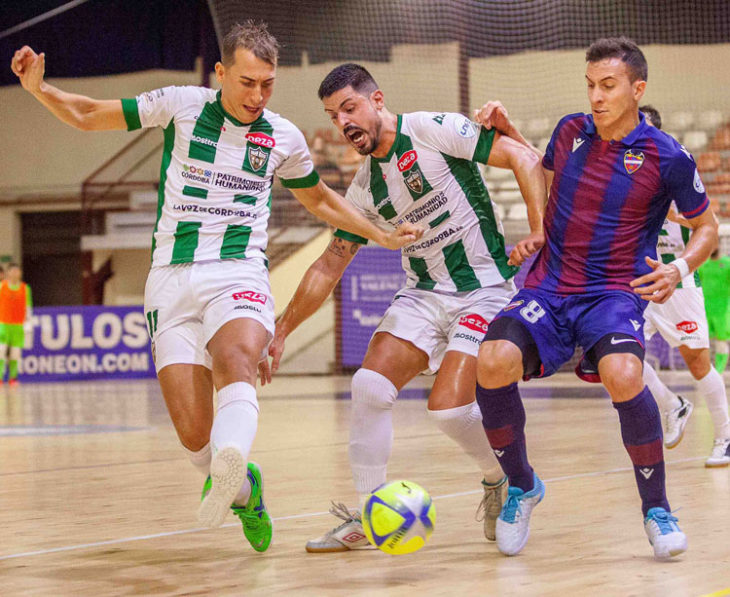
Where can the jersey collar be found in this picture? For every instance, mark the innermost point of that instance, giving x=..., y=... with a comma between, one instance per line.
x=232, y=118
x=391, y=151
x=589, y=127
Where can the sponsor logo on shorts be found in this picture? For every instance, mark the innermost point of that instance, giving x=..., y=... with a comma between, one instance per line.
x=474, y=322
x=687, y=327
x=261, y=139
x=250, y=295
x=468, y=337
x=513, y=305
x=407, y=160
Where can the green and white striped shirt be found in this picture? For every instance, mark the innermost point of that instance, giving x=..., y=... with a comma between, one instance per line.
x=673, y=239
x=430, y=177
x=214, y=198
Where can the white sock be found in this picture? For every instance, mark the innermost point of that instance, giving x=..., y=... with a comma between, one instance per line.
x=371, y=429
x=463, y=424
x=200, y=459
x=712, y=387
x=665, y=398
x=235, y=424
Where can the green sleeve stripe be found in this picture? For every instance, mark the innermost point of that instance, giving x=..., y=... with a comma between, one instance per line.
x=484, y=146
x=301, y=183
x=195, y=192
x=131, y=114
x=28, y=297
x=349, y=236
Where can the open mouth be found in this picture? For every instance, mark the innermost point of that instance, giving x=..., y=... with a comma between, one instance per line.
x=250, y=109
x=356, y=136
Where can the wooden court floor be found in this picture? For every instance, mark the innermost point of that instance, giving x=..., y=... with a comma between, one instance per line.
x=96, y=498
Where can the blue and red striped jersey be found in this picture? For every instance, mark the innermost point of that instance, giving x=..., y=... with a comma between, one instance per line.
x=607, y=204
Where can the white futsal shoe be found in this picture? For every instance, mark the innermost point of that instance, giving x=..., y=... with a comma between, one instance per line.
x=227, y=472
x=720, y=454
x=664, y=534
x=513, y=524
x=675, y=421
x=348, y=535
x=491, y=505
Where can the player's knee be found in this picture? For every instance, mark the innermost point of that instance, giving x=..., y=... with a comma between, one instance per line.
x=238, y=356
x=14, y=353
x=370, y=389
x=3, y=352
x=622, y=374
x=191, y=435
x=698, y=362
x=499, y=364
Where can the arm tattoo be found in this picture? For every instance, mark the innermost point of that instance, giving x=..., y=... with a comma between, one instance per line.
x=337, y=246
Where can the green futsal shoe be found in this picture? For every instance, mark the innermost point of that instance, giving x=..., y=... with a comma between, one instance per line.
x=257, y=524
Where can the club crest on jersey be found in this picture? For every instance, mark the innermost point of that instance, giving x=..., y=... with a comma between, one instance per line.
x=633, y=161
x=414, y=180
x=257, y=157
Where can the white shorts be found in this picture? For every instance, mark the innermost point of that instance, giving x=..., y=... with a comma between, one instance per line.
x=186, y=304
x=438, y=322
x=681, y=321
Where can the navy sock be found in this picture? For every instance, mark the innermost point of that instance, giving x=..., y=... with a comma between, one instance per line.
x=641, y=431
x=503, y=417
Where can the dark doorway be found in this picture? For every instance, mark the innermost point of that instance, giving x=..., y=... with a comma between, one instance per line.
x=51, y=244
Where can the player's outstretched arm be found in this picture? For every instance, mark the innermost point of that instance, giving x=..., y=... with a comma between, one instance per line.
x=528, y=170
x=316, y=285
x=659, y=285
x=331, y=207
x=78, y=111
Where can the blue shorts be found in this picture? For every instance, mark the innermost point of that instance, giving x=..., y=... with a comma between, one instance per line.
x=558, y=324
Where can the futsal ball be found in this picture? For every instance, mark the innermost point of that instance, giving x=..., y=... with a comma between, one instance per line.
x=399, y=517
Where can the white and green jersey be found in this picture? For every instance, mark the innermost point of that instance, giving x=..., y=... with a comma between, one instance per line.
x=673, y=239
x=214, y=197
x=430, y=177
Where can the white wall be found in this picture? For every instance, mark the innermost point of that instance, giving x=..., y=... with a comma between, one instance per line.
x=40, y=152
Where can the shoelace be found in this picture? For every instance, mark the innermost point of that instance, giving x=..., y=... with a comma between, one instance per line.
x=343, y=513
x=664, y=522
x=491, y=495
x=511, y=507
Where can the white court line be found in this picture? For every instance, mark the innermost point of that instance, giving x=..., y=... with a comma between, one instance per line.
x=299, y=516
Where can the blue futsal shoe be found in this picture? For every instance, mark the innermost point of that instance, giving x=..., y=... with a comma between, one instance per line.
x=513, y=524
x=664, y=534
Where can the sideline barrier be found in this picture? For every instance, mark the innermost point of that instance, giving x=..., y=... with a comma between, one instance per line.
x=86, y=342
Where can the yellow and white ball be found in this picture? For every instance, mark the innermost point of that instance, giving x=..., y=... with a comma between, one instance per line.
x=399, y=517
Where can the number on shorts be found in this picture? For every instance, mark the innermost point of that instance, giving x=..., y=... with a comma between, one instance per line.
x=532, y=311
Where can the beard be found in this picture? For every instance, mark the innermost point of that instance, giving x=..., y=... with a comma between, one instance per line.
x=364, y=142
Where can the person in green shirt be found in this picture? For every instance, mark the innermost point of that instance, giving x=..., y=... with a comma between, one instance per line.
x=715, y=278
